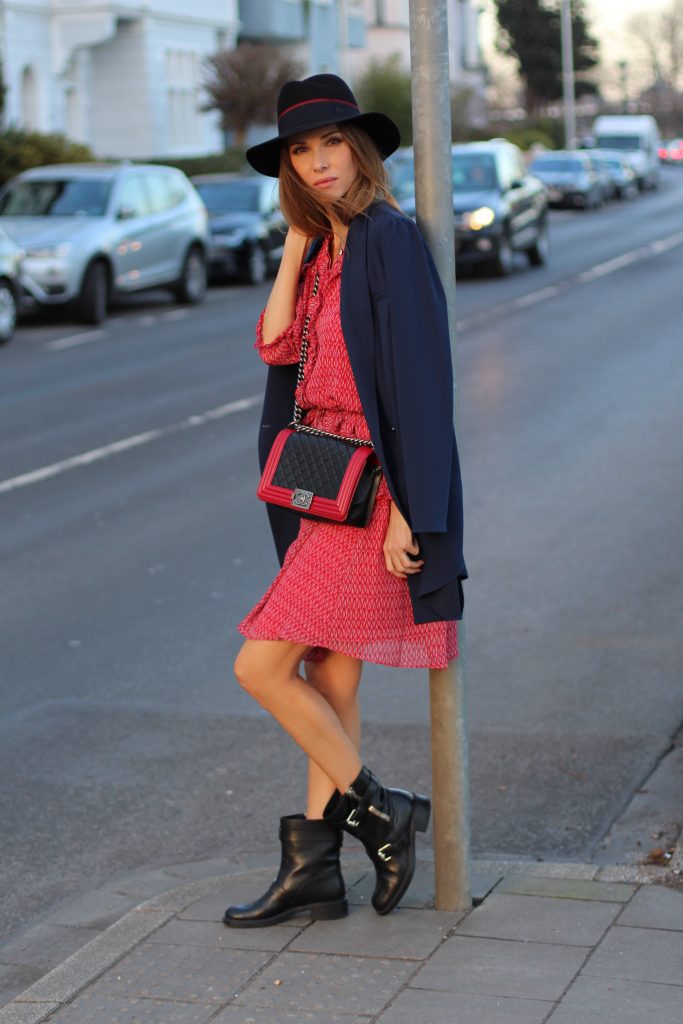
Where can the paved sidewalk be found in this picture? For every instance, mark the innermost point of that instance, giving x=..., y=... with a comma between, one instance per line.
x=561, y=944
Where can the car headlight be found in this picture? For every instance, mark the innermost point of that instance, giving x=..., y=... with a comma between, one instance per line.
x=478, y=219
x=50, y=252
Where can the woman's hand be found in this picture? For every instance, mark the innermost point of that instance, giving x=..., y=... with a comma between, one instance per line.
x=398, y=543
x=295, y=248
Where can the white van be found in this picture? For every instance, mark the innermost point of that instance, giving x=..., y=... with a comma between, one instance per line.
x=637, y=135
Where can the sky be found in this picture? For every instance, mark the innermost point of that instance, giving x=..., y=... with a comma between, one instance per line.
x=607, y=20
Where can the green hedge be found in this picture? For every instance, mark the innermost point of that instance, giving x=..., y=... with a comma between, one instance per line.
x=21, y=149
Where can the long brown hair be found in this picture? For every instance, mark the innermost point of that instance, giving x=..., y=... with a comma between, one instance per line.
x=306, y=212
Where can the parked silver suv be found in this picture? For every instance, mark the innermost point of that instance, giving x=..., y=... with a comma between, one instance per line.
x=92, y=231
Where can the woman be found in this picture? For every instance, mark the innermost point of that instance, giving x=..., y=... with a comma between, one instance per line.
x=378, y=368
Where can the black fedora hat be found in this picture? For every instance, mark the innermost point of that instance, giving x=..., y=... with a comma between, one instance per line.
x=313, y=103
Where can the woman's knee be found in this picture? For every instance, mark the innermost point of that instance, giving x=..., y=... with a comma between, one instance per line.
x=338, y=686
x=249, y=674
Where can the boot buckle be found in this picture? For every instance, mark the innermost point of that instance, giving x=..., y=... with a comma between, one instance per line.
x=353, y=821
x=381, y=853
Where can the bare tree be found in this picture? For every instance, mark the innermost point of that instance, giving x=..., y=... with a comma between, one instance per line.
x=243, y=84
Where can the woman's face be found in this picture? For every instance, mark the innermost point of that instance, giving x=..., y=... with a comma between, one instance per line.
x=323, y=159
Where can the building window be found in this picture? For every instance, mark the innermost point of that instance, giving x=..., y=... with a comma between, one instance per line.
x=182, y=97
x=29, y=99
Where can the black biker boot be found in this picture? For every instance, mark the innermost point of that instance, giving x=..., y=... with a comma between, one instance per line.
x=309, y=879
x=385, y=821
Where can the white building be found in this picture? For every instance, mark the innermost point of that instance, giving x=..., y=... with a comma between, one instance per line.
x=122, y=76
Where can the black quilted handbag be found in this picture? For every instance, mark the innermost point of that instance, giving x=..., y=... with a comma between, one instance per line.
x=317, y=474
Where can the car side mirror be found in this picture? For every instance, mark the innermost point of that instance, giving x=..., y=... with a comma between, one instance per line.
x=125, y=213
x=517, y=183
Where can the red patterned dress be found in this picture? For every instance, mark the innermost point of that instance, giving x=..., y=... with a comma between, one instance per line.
x=334, y=591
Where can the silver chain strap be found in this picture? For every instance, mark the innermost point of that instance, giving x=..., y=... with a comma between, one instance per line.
x=296, y=419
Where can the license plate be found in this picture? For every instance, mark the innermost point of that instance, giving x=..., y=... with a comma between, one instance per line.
x=555, y=195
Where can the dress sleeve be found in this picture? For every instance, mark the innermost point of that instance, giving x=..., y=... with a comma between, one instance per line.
x=286, y=347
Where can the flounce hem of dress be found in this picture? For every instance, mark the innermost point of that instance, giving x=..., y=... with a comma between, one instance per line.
x=320, y=646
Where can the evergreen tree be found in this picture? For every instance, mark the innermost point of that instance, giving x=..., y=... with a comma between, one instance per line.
x=530, y=32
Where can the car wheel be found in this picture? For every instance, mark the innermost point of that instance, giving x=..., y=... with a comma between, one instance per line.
x=191, y=286
x=538, y=253
x=92, y=302
x=504, y=262
x=8, y=312
x=256, y=267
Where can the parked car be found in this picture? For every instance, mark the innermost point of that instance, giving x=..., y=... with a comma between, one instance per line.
x=603, y=175
x=671, y=151
x=500, y=208
x=246, y=225
x=621, y=171
x=10, y=288
x=93, y=231
x=570, y=177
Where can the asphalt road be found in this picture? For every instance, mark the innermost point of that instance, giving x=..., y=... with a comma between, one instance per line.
x=132, y=543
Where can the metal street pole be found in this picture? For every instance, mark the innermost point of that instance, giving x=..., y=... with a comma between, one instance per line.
x=343, y=39
x=568, y=76
x=434, y=203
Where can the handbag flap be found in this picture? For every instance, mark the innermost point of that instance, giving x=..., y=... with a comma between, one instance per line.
x=324, y=468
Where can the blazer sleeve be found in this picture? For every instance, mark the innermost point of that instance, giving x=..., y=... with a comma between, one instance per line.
x=419, y=356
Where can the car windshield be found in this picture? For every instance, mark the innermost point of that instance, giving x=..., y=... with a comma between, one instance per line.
x=56, y=197
x=627, y=142
x=556, y=164
x=473, y=171
x=401, y=171
x=230, y=196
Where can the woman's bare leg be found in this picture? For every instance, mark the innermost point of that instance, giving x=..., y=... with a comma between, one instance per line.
x=337, y=679
x=268, y=671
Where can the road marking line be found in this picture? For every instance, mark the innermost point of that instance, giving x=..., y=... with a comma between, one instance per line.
x=74, y=339
x=126, y=443
x=176, y=314
x=626, y=259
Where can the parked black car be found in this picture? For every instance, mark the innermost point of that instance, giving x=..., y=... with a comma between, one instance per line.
x=570, y=177
x=500, y=208
x=247, y=227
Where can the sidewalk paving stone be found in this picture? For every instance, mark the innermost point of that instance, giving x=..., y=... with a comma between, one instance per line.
x=540, y=919
x=321, y=983
x=612, y=1001
x=407, y=934
x=94, y=1008
x=420, y=1007
x=267, y=1015
x=567, y=888
x=185, y=973
x=640, y=954
x=655, y=907
x=214, y=934
x=500, y=967
x=88, y=963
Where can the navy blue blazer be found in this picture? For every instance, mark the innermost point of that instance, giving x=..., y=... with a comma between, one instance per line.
x=394, y=319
